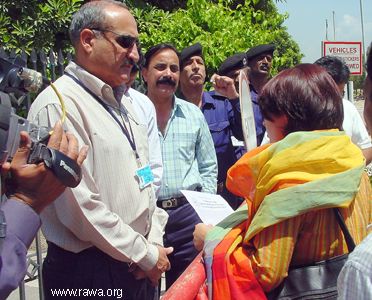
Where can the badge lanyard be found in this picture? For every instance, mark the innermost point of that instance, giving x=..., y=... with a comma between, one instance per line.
x=128, y=134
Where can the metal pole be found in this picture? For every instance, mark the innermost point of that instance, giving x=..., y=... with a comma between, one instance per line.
x=362, y=23
x=22, y=291
x=39, y=258
x=334, y=27
x=326, y=30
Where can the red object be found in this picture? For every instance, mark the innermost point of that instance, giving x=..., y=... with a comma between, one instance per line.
x=189, y=285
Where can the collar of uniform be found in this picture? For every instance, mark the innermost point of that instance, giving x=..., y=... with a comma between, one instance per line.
x=207, y=100
x=93, y=83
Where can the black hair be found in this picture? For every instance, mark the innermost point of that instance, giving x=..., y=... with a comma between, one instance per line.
x=155, y=49
x=335, y=67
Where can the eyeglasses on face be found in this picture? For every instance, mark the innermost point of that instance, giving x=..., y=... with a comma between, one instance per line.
x=124, y=41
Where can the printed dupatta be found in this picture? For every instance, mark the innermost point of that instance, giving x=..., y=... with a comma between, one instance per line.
x=320, y=169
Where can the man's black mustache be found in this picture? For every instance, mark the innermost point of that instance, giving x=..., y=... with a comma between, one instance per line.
x=166, y=80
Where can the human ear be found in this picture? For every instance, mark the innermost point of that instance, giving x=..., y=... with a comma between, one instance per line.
x=87, y=38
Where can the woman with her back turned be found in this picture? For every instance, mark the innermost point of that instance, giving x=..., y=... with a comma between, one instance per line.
x=290, y=188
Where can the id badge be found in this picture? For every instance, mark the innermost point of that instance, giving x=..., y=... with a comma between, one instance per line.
x=145, y=176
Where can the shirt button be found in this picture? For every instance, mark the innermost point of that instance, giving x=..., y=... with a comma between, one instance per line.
x=105, y=90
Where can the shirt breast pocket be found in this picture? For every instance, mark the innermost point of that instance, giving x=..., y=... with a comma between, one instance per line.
x=186, y=143
x=220, y=133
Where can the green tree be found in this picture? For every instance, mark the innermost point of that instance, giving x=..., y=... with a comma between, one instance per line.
x=27, y=24
x=358, y=84
x=171, y=5
x=223, y=27
x=221, y=30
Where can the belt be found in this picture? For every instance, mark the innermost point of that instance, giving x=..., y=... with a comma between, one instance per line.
x=171, y=203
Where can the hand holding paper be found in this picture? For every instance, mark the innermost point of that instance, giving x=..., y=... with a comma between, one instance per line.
x=211, y=208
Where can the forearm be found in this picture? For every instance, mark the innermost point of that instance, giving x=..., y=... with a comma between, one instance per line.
x=368, y=155
x=236, y=119
x=155, y=160
x=208, y=170
x=91, y=221
x=207, y=160
x=22, y=226
x=159, y=220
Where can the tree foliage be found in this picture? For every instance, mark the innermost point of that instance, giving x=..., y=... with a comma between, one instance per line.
x=220, y=29
x=223, y=27
x=171, y=5
x=27, y=24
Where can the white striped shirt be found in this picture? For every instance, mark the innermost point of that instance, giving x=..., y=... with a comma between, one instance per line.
x=355, y=279
x=108, y=209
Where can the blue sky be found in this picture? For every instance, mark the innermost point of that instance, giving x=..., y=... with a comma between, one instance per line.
x=307, y=19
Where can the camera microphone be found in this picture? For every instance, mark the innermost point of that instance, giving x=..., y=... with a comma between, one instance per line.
x=32, y=80
x=18, y=79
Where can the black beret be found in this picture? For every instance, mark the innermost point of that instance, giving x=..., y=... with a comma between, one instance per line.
x=234, y=62
x=193, y=50
x=260, y=49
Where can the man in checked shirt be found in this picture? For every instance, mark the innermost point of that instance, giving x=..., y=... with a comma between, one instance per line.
x=189, y=159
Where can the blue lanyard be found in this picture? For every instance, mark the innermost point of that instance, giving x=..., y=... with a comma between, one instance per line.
x=128, y=135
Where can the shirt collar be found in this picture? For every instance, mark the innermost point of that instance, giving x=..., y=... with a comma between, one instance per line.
x=96, y=85
x=178, y=107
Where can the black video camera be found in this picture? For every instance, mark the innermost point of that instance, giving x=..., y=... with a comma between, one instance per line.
x=16, y=80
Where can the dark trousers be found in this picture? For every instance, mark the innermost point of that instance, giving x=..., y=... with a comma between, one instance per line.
x=179, y=235
x=88, y=271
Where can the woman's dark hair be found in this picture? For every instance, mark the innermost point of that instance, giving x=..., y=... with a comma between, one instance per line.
x=307, y=95
x=155, y=49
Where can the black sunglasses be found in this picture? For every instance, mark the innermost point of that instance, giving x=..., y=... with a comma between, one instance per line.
x=125, y=41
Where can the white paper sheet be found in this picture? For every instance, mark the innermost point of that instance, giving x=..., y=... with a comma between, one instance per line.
x=246, y=108
x=211, y=208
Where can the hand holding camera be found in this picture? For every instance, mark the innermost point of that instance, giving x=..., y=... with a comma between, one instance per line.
x=35, y=184
x=18, y=80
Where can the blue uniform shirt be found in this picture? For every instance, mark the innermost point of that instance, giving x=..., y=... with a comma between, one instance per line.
x=224, y=120
x=258, y=118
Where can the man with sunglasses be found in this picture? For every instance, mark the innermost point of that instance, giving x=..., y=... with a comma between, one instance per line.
x=104, y=235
